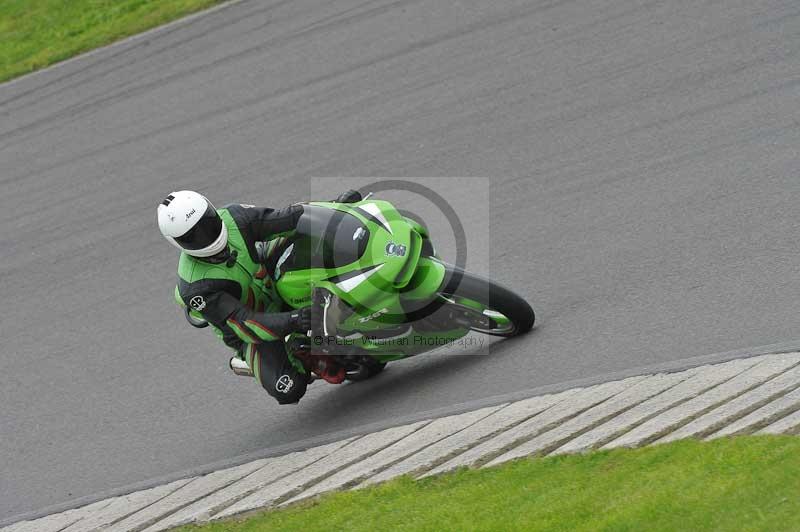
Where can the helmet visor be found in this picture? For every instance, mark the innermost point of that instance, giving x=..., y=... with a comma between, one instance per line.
x=204, y=232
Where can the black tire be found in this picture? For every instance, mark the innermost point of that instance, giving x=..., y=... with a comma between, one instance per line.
x=495, y=296
x=368, y=368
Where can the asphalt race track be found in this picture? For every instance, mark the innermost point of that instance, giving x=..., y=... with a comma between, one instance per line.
x=643, y=158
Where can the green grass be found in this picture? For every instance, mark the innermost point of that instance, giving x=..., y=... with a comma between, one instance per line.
x=37, y=33
x=745, y=483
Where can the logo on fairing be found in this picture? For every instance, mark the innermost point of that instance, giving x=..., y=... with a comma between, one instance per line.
x=374, y=315
x=197, y=303
x=284, y=384
x=398, y=250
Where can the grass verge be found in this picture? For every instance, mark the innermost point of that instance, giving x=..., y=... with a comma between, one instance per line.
x=744, y=483
x=38, y=33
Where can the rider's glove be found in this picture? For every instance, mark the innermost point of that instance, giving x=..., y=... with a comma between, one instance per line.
x=351, y=196
x=300, y=320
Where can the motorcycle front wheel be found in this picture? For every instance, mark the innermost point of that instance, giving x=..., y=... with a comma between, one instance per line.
x=485, y=306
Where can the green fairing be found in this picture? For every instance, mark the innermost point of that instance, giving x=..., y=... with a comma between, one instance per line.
x=378, y=299
x=381, y=289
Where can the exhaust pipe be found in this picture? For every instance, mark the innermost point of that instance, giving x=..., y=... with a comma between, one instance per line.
x=240, y=367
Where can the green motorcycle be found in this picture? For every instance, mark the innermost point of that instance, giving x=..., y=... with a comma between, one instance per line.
x=379, y=291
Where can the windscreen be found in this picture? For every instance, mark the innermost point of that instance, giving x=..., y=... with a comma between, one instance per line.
x=324, y=238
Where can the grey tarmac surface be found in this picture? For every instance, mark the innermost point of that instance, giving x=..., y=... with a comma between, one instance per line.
x=480, y=438
x=643, y=157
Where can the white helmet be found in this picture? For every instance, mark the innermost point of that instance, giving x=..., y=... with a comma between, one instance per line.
x=191, y=223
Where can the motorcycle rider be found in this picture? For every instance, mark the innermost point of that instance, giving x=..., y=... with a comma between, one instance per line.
x=223, y=276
